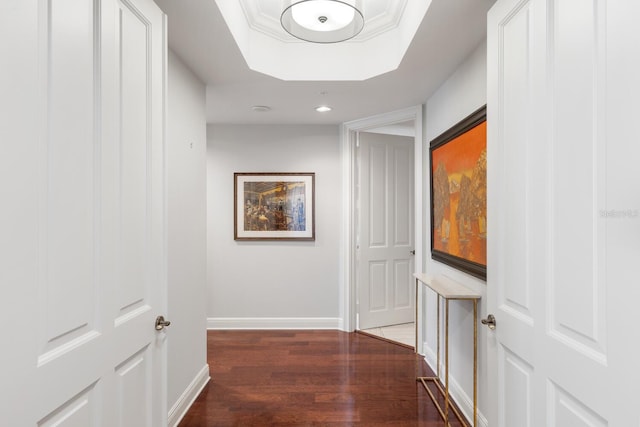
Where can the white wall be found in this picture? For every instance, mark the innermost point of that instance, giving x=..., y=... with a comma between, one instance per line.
x=460, y=95
x=187, y=258
x=273, y=284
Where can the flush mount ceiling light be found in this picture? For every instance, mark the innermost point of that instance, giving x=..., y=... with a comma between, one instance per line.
x=323, y=21
x=323, y=109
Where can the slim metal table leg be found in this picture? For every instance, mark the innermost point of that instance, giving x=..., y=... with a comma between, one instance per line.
x=446, y=361
x=475, y=363
x=416, y=321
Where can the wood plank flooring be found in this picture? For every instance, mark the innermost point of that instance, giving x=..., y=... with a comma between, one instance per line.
x=311, y=378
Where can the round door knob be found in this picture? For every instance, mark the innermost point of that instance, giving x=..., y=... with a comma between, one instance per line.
x=490, y=321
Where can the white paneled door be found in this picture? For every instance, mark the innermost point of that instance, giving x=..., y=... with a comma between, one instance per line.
x=385, y=230
x=83, y=213
x=564, y=213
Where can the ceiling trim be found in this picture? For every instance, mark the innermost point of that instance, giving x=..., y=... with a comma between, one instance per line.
x=265, y=17
x=268, y=49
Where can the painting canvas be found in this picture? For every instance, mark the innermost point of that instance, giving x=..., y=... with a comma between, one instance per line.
x=459, y=195
x=274, y=206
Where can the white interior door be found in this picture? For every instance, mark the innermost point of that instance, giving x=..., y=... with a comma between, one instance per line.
x=564, y=219
x=386, y=230
x=83, y=217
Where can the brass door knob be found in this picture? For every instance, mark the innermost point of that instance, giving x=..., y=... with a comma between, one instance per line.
x=490, y=321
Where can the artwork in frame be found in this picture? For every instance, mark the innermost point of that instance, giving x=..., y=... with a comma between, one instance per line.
x=459, y=195
x=274, y=206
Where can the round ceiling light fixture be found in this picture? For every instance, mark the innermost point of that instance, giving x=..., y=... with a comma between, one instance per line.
x=323, y=21
x=323, y=108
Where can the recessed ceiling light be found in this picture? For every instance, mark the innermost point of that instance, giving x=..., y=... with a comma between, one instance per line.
x=261, y=108
x=323, y=109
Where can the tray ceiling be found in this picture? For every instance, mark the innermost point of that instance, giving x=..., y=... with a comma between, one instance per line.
x=390, y=26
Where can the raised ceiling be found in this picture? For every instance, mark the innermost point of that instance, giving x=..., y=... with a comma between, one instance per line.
x=264, y=16
x=449, y=31
x=389, y=28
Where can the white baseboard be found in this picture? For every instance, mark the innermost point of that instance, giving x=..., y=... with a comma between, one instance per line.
x=464, y=402
x=459, y=396
x=180, y=408
x=430, y=357
x=274, y=323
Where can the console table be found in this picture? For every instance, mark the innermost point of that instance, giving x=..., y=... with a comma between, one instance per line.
x=449, y=290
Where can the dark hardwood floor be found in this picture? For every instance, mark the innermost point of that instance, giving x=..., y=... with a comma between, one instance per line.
x=311, y=378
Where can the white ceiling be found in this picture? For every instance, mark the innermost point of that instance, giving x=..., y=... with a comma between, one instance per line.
x=264, y=16
x=198, y=34
x=390, y=26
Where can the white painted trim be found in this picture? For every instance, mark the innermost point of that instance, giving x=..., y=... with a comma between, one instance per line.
x=184, y=402
x=348, y=309
x=464, y=402
x=346, y=291
x=430, y=357
x=398, y=130
x=274, y=323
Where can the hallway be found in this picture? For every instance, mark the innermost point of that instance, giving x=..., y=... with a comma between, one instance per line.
x=302, y=378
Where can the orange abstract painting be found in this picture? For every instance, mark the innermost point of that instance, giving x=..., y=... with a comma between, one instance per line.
x=459, y=195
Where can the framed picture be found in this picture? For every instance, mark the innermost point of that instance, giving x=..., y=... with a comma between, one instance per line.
x=274, y=206
x=459, y=195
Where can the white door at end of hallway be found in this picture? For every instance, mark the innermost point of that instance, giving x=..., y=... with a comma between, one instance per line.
x=385, y=230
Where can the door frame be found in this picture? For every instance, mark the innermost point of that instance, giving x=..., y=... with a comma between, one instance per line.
x=348, y=144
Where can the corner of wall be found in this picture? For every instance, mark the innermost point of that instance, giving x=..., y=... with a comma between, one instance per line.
x=190, y=394
x=186, y=241
x=463, y=92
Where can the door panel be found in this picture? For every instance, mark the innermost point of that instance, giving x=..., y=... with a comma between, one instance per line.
x=518, y=377
x=403, y=197
x=559, y=306
x=67, y=193
x=385, y=281
x=402, y=297
x=565, y=410
x=131, y=169
x=517, y=225
x=133, y=386
x=377, y=286
x=135, y=145
x=576, y=233
x=375, y=160
x=67, y=179
x=79, y=411
x=86, y=195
